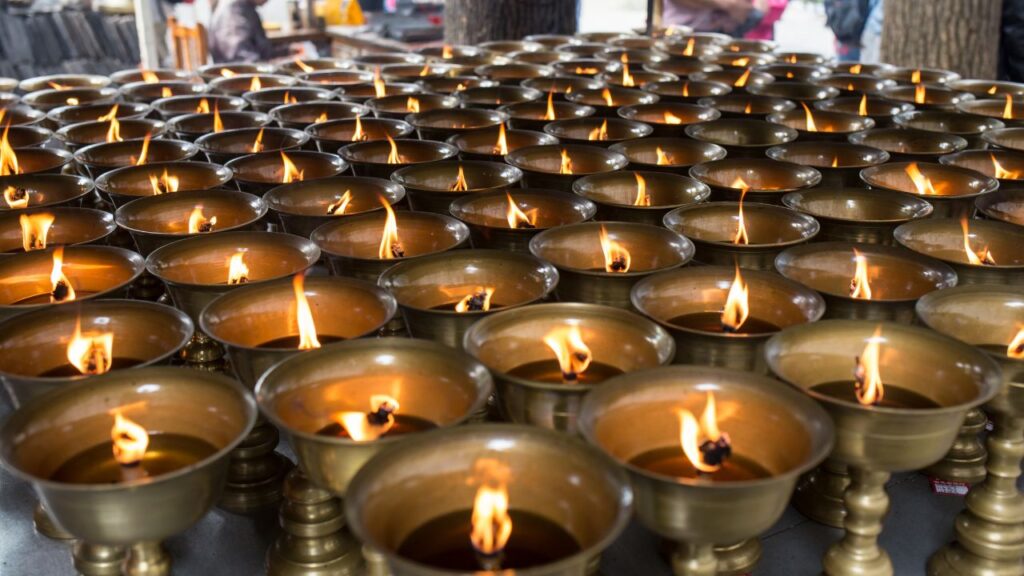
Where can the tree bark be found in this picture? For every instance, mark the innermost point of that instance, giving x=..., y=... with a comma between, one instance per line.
x=475, y=21
x=958, y=35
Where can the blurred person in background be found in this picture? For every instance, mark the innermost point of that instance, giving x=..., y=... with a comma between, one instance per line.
x=1011, y=42
x=847, y=19
x=871, y=38
x=772, y=10
x=734, y=17
x=236, y=33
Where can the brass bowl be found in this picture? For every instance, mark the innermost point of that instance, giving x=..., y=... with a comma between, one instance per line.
x=541, y=165
x=30, y=137
x=1005, y=138
x=751, y=45
x=712, y=226
x=258, y=173
x=906, y=75
x=82, y=134
x=583, y=131
x=487, y=215
x=441, y=124
x=767, y=180
x=398, y=107
x=360, y=93
x=633, y=55
x=334, y=134
x=399, y=72
x=576, y=252
x=776, y=303
x=94, y=272
x=193, y=126
x=195, y=269
x=222, y=147
x=455, y=84
x=43, y=161
x=251, y=322
x=34, y=345
x=560, y=86
x=943, y=239
x=858, y=214
x=729, y=60
x=1010, y=171
x=966, y=126
x=212, y=72
x=636, y=78
x=865, y=68
x=299, y=65
x=450, y=51
x=934, y=97
x=1003, y=205
x=677, y=154
x=881, y=110
x=828, y=126
x=982, y=88
x=383, y=59
x=838, y=162
x=798, y=72
x=792, y=90
x=305, y=114
x=508, y=340
x=742, y=138
x=428, y=289
x=669, y=118
x=495, y=96
x=66, y=115
x=898, y=277
x=70, y=226
x=505, y=46
x=955, y=188
x=749, y=106
x=242, y=83
x=49, y=431
x=97, y=159
x=482, y=144
x=370, y=158
x=638, y=413
x=169, y=108
x=154, y=221
x=429, y=187
x=687, y=91
x=125, y=184
x=908, y=145
x=147, y=92
x=352, y=245
x=1010, y=114
x=266, y=99
x=681, y=66
x=46, y=100
x=129, y=75
x=584, y=65
x=302, y=207
x=616, y=194
x=737, y=78
x=856, y=85
x=552, y=41
x=69, y=80
x=512, y=73
x=19, y=115
x=618, y=96
x=534, y=115
x=46, y=190
x=300, y=395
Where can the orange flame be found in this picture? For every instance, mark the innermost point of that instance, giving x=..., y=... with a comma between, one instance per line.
x=686, y=89
x=393, y=156
x=492, y=525
x=302, y=65
x=862, y=108
x=130, y=440
x=690, y=431
x=16, y=198
x=368, y=426
x=227, y=73
x=993, y=89
x=34, y=230
x=811, y=126
x=566, y=167
x=573, y=354
x=203, y=107
x=426, y=69
x=288, y=98
x=501, y=147
x=671, y=118
x=979, y=258
x=856, y=68
x=341, y=204
x=792, y=59
x=8, y=158
x=321, y=118
x=143, y=152
x=72, y=101
x=600, y=133
x=114, y=132
x=412, y=104
x=742, y=80
x=290, y=173
x=304, y=315
x=1008, y=109
x=737, y=306
x=378, y=84
x=922, y=183
x=257, y=145
x=218, y=123
x=516, y=217
x=915, y=76
x=166, y=92
x=749, y=108
x=691, y=43
x=663, y=158
x=358, y=135
x=616, y=257
x=920, y=94
x=90, y=353
x=607, y=95
x=238, y=271
x=835, y=161
x=460, y=184
x=57, y=86
x=164, y=184
x=446, y=52
x=60, y=286
x=860, y=285
x=741, y=236
x=149, y=77
x=390, y=245
x=867, y=375
x=479, y=300
x=550, y=113
x=642, y=197
x=1002, y=173
x=740, y=61
x=1015, y=349
x=198, y=223
x=255, y=84
x=586, y=70
x=627, y=78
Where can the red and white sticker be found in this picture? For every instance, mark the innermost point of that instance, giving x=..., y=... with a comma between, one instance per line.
x=949, y=488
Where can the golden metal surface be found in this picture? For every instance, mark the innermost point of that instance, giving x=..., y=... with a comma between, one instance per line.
x=943, y=239
x=428, y=186
x=616, y=194
x=857, y=214
x=486, y=215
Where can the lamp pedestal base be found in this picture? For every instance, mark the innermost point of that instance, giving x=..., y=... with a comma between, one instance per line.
x=965, y=461
x=858, y=552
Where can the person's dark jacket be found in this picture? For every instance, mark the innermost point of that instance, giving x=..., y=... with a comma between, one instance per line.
x=236, y=34
x=1011, y=42
x=847, y=18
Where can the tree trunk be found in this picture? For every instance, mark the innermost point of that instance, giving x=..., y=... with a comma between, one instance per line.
x=475, y=21
x=958, y=35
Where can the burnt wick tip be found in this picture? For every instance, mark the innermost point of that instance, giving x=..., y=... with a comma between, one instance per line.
x=715, y=452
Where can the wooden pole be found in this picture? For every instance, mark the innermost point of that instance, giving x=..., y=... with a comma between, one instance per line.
x=475, y=21
x=959, y=35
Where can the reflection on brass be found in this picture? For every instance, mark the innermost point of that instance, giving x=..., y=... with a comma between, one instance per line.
x=487, y=215
x=943, y=239
x=857, y=214
x=431, y=187
x=620, y=195
x=952, y=190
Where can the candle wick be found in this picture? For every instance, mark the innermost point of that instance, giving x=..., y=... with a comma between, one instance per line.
x=132, y=471
x=490, y=561
x=618, y=264
x=715, y=452
x=397, y=251
x=60, y=291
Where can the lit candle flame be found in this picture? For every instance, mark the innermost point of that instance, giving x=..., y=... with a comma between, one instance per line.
x=302, y=65
x=922, y=183
x=1015, y=349
x=149, y=77
x=566, y=166
x=390, y=245
x=369, y=426
x=114, y=132
x=426, y=69
x=8, y=158
x=792, y=59
x=492, y=525
x=502, y=145
x=16, y=198
x=57, y=86
x=516, y=217
x=627, y=78
x=811, y=126
x=586, y=70
x=920, y=94
x=288, y=98
x=304, y=315
x=600, y=133
x=34, y=230
x=915, y=76
x=550, y=113
x=358, y=135
x=741, y=236
x=738, y=62
x=691, y=43
x=860, y=285
x=218, y=123
x=856, y=68
x=255, y=84
x=198, y=223
x=91, y=353
x=706, y=456
x=72, y=101
x=341, y=204
x=835, y=161
x=166, y=92
x=412, y=104
x=60, y=285
x=460, y=184
x=227, y=73
x=616, y=257
x=378, y=83
x=446, y=52
x=203, y=107
x=670, y=118
x=867, y=376
x=130, y=440
x=663, y=158
x=606, y=94
x=686, y=89
x=742, y=80
x=164, y=184
x=1002, y=173
x=993, y=89
x=238, y=271
x=979, y=258
x=1008, y=109
x=862, y=108
x=257, y=145
x=321, y=118
x=143, y=151
x=479, y=300
x=642, y=197
x=737, y=304
x=290, y=173
x=573, y=354
x=393, y=157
